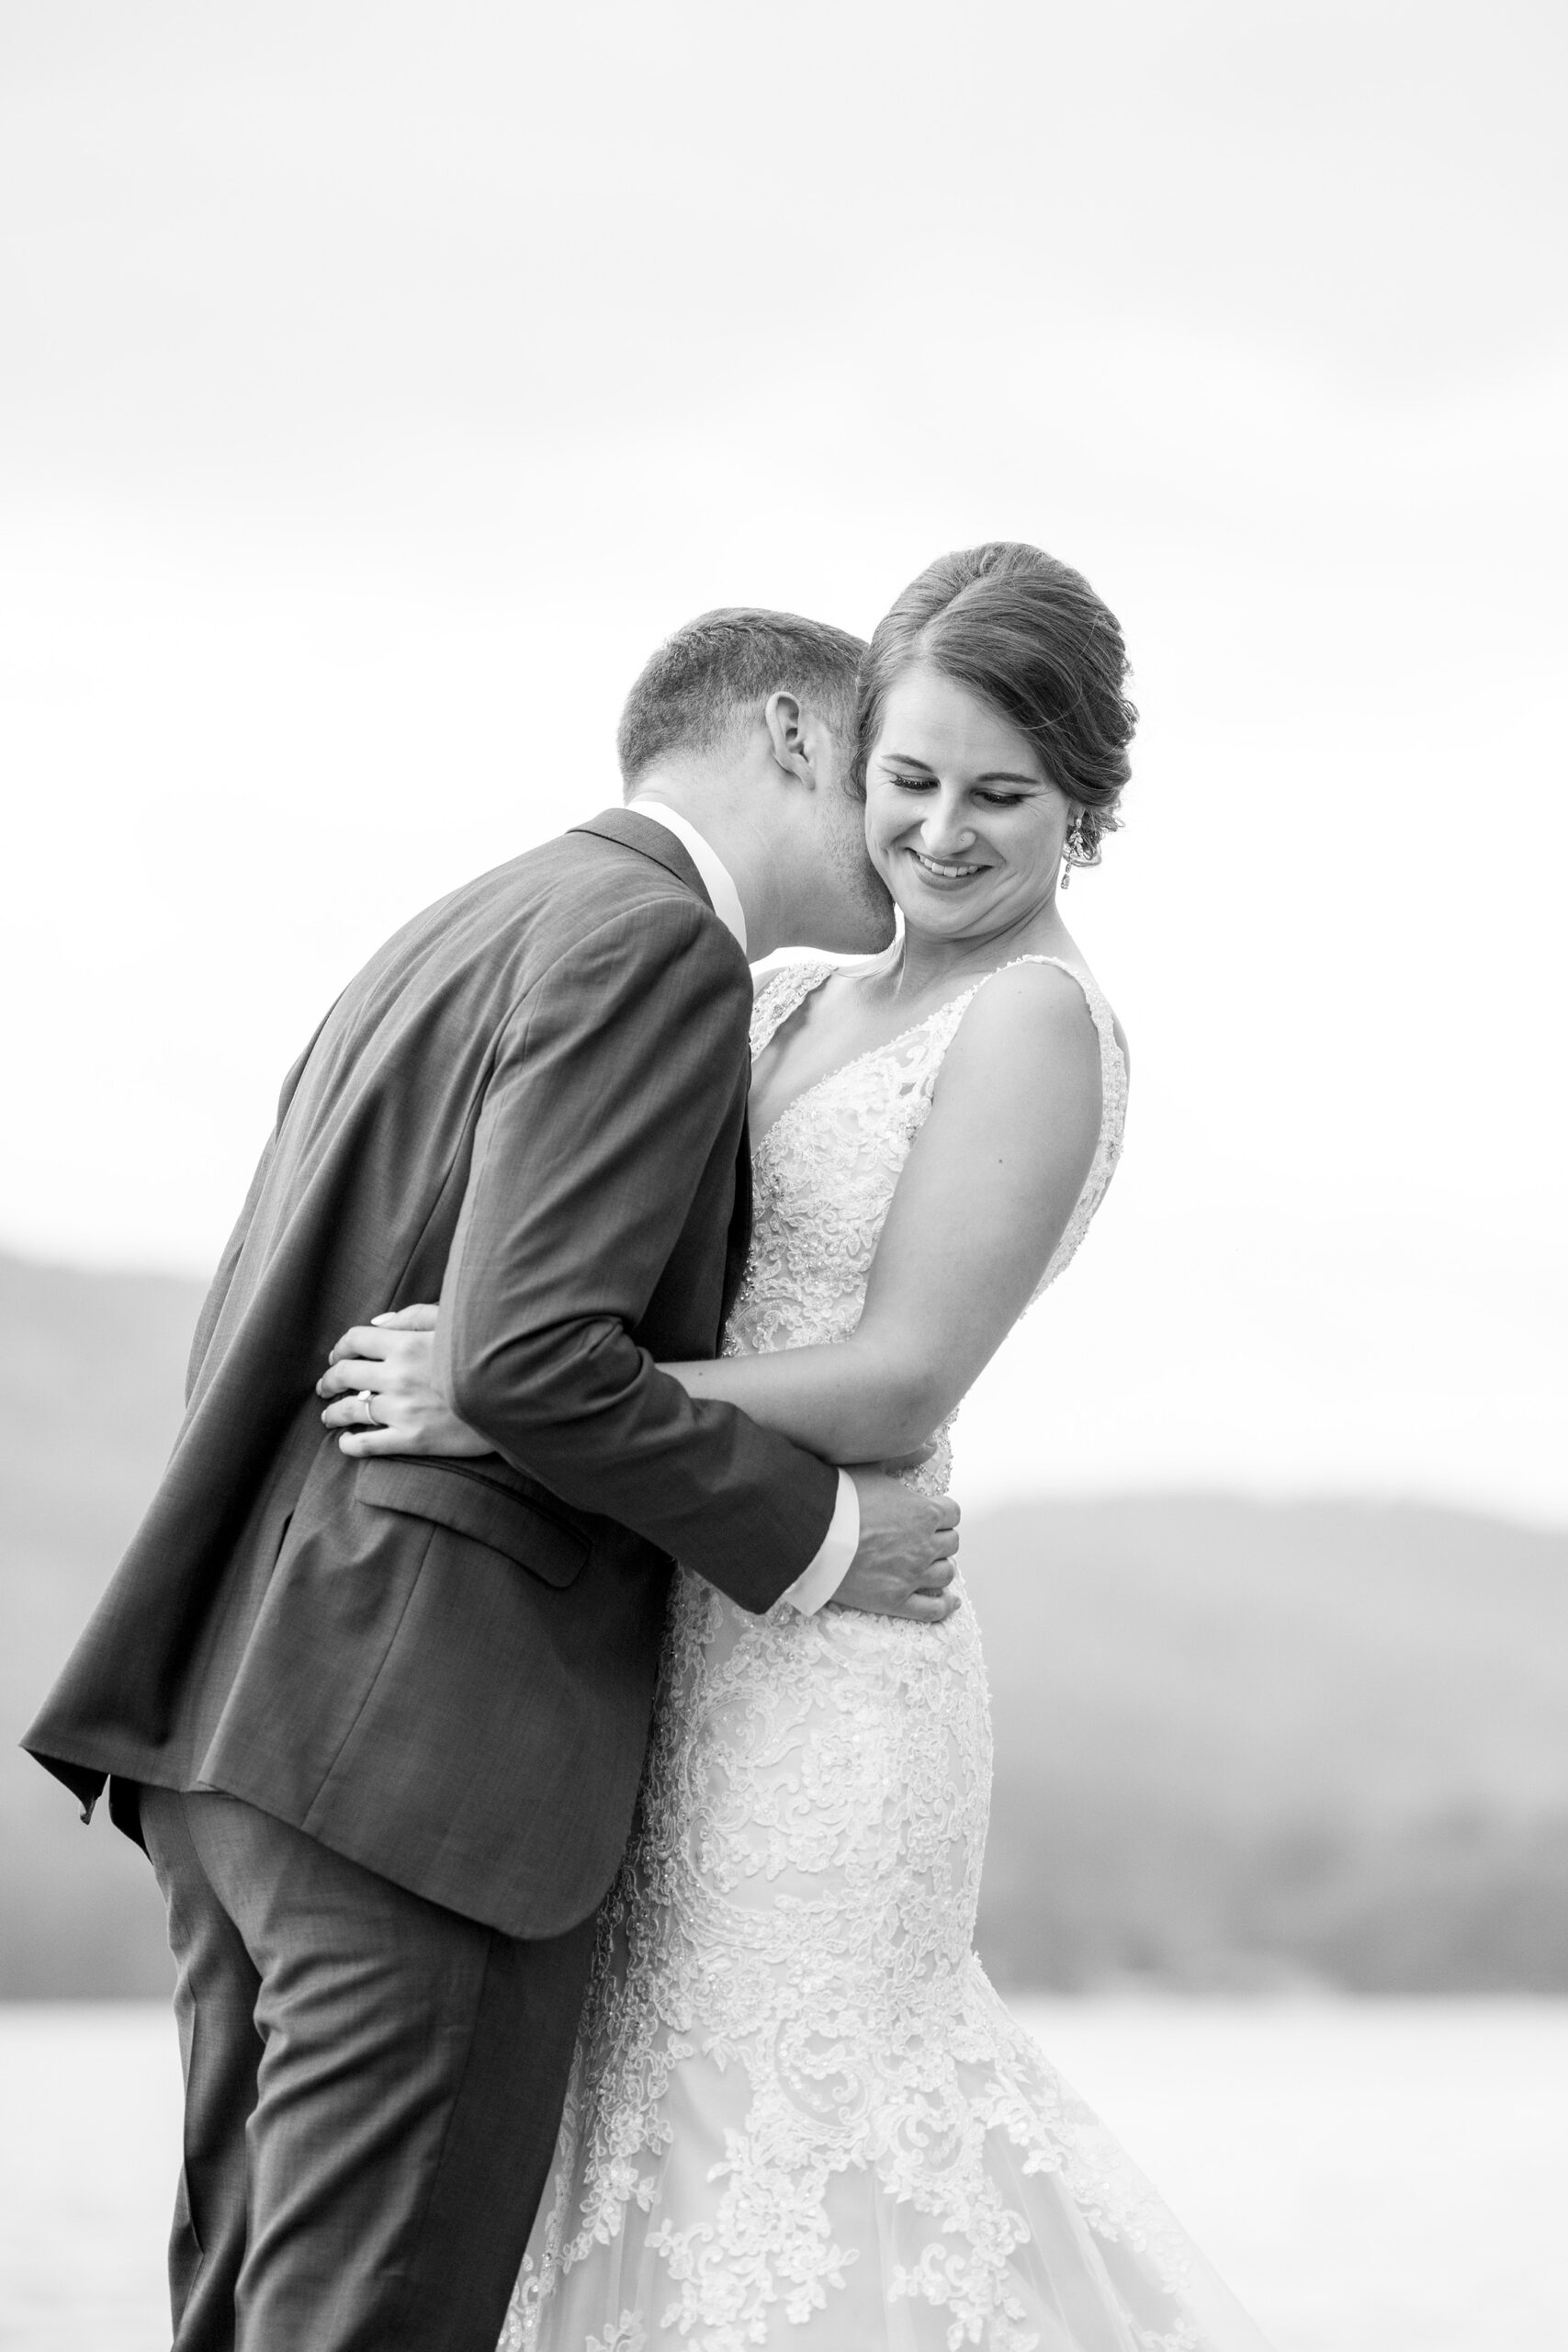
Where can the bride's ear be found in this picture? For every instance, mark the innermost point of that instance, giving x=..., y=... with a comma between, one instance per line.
x=788, y=733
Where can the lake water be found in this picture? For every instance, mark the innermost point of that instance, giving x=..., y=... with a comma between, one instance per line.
x=1388, y=2178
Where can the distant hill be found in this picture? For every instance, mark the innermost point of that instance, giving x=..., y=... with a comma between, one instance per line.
x=1237, y=1744
x=1240, y=1742
x=91, y=1380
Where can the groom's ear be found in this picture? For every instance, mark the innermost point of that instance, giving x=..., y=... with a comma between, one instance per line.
x=788, y=734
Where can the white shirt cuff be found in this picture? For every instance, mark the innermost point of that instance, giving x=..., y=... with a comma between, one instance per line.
x=815, y=1585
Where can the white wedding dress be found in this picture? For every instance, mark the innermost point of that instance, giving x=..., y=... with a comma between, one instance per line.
x=799, y=2116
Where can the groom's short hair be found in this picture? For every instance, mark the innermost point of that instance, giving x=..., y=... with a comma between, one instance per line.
x=713, y=676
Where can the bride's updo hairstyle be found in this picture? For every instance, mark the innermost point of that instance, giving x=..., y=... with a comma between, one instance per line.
x=1029, y=637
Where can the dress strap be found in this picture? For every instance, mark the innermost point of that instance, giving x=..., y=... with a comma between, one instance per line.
x=783, y=993
x=1099, y=1004
x=1113, y=1062
x=1112, y=1098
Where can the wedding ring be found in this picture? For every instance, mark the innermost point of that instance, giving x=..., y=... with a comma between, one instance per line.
x=366, y=1397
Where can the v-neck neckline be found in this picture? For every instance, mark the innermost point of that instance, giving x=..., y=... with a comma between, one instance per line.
x=866, y=1054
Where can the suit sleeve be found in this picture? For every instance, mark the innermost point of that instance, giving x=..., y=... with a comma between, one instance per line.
x=616, y=1096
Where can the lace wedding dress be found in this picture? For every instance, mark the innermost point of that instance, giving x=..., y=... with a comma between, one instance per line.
x=799, y=2116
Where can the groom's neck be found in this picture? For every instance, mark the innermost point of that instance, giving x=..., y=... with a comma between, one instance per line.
x=723, y=809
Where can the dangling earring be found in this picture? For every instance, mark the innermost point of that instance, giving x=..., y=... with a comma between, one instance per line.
x=1076, y=850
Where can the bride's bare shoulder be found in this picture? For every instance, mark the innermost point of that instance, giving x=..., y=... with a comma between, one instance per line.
x=1023, y=1071
x=1016, y=1111
x=1038, y=1012
x=1026, y=1009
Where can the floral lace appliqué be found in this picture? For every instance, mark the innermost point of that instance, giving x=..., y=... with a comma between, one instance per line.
x=797, y=2106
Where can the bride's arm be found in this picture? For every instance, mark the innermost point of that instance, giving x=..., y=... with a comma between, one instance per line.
x=984, y=1198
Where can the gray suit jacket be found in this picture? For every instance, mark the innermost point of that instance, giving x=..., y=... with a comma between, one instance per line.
x=532, y=1101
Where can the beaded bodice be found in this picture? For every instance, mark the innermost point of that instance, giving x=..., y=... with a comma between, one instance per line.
x=825, y=1172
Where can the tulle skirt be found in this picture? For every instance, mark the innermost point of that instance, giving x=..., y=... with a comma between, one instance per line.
x=1053, y=2241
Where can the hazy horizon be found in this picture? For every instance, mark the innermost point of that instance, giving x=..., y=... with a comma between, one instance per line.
x=377, y=393
x=1236, y=1744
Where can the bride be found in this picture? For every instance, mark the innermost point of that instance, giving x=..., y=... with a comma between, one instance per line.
x=799, y=2116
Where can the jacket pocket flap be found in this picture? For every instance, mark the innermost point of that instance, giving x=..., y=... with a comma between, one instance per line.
x=471, y=1506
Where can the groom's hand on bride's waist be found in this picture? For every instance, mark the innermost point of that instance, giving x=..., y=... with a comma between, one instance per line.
x=909, y=1542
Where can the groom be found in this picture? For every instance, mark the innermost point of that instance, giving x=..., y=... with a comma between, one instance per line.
x=379, y=1722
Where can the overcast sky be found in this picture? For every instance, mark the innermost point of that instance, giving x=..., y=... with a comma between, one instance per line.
x=378, y=384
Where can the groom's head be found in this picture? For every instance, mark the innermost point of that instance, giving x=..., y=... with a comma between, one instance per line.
x=745, y=721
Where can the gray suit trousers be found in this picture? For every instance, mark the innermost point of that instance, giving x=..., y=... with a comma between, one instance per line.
x=373, y=2088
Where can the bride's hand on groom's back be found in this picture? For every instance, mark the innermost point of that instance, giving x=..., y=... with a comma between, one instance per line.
x=380, y=1381
x=908, y=1543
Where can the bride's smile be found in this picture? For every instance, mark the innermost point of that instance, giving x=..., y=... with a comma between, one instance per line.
x=962, y=821
x=947, y=873
x=971, y=832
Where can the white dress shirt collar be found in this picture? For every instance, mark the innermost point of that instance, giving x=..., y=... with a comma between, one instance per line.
x=715, y=875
